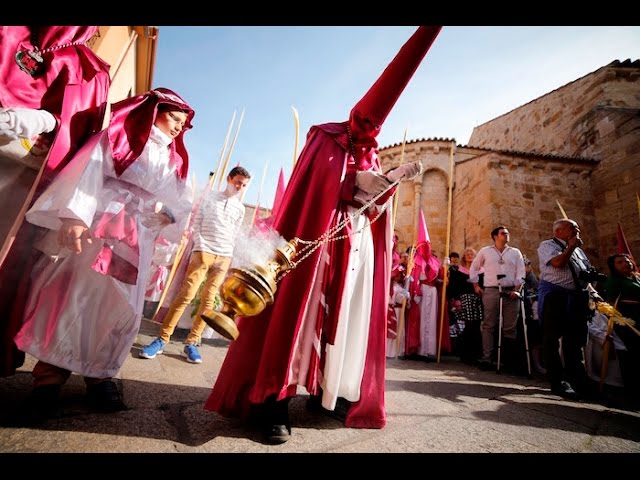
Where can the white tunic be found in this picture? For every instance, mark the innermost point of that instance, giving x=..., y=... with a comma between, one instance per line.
x=345, y=359
x=77, y=318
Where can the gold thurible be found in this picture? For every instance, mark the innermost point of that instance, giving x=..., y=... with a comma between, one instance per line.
x=247, y=291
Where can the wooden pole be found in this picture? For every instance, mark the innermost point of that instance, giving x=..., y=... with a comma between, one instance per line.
x=296, y=119
x=179, y=253
x=396, y=194
x=183, y=244
x=446, y=252
x=564, y=214
x=606, y=345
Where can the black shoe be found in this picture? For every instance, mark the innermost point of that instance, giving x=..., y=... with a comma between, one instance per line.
x=43, y=404
x=469, y=361
x=314, y=405
x=517, y=370
x=276, y=427
x=565, y=390
x=105, y=397
x=277, y=434
x=486, y=366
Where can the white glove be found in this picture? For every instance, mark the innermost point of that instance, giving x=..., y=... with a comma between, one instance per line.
x=363, y=197
x=371, y=182
x=25, y=122
x=406, y=171
x=417, y=299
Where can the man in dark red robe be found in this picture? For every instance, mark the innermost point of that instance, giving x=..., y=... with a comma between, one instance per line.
x=326, y=329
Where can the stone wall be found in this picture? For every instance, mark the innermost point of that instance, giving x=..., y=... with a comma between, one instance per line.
x=578, y=145
x=597, y=117
x=472, y=212
x=428, y=191
x=616, y=180
x=554, y=123
x=490, y=189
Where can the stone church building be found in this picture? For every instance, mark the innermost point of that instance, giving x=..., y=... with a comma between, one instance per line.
x=578, y=146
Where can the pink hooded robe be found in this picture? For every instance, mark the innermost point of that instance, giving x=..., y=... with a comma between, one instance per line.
x=84, y=310
x=321, y=190
x=73, y=87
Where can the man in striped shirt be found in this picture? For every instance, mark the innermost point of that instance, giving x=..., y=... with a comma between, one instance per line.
x=215, y=228
x=562, y=307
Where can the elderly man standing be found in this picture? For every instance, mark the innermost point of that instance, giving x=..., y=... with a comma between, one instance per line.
x=563, y=307
x=504, y=273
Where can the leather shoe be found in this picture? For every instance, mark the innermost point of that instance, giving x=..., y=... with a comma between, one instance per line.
x=565, y=390
x=276, y=424
x=486, y=366
x=314, y=405
x=277, y=433
x=105, y=397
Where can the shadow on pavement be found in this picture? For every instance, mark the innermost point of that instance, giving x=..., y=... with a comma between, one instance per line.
x=156, y=411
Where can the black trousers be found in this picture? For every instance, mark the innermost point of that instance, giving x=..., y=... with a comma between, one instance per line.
x=561, y=320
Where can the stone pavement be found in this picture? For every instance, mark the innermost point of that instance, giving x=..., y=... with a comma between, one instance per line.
x=431, y=408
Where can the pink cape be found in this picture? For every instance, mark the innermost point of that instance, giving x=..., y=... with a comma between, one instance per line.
x=257, y=363
x=74, y=88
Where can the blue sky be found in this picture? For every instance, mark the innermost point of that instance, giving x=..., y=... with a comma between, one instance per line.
x=469, y=76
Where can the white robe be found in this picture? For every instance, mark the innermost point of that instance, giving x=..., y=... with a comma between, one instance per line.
x=395, y=346
x=345, y=359
x=77, y=318
x=428, y=320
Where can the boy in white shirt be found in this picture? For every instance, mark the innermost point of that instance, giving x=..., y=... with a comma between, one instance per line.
x=215, y=229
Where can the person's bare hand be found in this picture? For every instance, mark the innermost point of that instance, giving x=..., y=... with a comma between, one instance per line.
x=72, y=234
x=574, y=242
x=155, y=220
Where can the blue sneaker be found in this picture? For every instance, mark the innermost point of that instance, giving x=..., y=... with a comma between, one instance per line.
x=191, y=352
x=153, y=349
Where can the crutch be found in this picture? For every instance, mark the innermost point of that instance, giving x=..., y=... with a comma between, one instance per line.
x=524, y=328
x=500, y=320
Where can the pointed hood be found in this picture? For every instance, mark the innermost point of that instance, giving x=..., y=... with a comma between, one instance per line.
x=423, y=247
x=423, y=258
x=279, y=193
x=368, y=115
x=423, y=233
